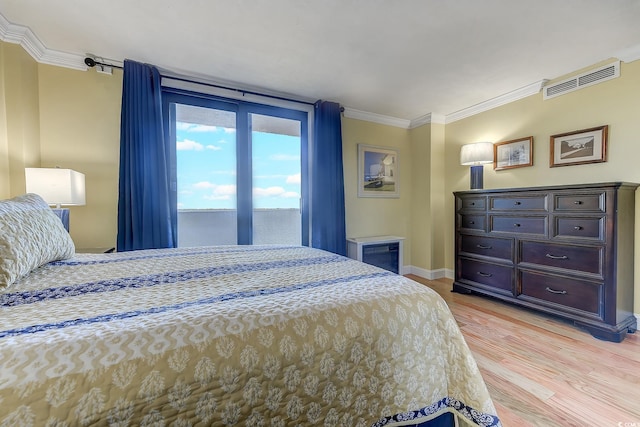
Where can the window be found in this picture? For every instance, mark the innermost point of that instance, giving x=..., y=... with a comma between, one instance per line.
x=240, y=171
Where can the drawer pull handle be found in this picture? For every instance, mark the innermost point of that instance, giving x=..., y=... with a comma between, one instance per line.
x=518, y=203
x=480, y=273
x=472, y=222
x=472, y=203
x=577, y=227
x=556, y=256
x=483, y=247
x=553, y=291
x=516, y=225
x=577, y=202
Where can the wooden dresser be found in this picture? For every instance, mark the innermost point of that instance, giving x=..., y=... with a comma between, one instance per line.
x=564, y=250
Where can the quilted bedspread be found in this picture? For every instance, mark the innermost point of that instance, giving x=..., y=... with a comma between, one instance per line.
x=229, y=335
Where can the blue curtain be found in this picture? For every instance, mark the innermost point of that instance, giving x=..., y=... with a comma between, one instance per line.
x=327, y=180
x=144, y=201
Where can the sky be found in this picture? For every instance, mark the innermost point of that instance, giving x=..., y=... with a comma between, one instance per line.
x=206, y=161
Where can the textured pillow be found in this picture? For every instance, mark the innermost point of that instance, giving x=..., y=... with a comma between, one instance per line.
x=31, y=235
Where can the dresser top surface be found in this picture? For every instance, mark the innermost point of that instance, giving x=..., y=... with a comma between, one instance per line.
x=630, y=185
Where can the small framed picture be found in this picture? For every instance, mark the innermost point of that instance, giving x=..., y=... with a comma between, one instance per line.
x=579, y=147
x=378, y=172
x=517, y=153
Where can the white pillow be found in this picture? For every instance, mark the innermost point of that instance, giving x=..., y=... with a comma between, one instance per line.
x=31, y=235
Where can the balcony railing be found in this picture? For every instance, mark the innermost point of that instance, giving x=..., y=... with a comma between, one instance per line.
x=206, y=227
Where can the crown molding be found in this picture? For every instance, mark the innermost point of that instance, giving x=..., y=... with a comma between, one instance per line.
x=629, y=54
x=19, y=34
x=426, y=119
x=376, y=118
x=512, y=96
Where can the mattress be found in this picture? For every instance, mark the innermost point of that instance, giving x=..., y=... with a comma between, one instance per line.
x=231, y=335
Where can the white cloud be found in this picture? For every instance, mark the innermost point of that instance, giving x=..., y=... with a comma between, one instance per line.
x=225, y=190
x=274, y=192
x=284, y=157
x=213, y=147
x=189, y=145
x=204, y=184
x=294, y=179
x=229, y=130
x=219, y=192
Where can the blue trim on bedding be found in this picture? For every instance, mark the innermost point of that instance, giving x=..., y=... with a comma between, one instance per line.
x=480, y=418
x=127, y=256
x=204, y=301
x=109, y=285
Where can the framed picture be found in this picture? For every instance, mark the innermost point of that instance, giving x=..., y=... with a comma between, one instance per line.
x=579, y=147
x=378, y=172
x=517, y=153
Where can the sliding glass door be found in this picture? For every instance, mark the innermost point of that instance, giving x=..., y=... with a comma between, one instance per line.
x=241, y=174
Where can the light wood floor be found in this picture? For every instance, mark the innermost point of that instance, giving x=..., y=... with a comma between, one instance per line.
x=542, y=371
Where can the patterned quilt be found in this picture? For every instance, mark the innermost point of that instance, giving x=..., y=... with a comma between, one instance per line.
x=230, y=335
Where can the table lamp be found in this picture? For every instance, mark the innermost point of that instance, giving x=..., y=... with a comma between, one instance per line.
x=58, y=187
x=476, y=155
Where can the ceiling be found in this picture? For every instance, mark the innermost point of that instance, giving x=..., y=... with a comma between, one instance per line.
x=398, y=58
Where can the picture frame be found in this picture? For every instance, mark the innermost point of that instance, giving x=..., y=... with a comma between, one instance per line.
x=378, y=172
x=579, y=147
x=516, y=153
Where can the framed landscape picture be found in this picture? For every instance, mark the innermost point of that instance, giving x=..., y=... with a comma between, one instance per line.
x=516, y=153
x=579, y=147
x=378, y=172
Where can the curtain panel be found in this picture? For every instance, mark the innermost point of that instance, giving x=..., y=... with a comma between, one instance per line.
x=145, y=214
x=327, y=180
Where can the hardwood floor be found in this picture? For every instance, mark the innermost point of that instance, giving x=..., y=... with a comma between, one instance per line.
x=542, y=371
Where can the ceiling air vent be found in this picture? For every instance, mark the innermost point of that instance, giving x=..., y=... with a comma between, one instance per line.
x=598, y=75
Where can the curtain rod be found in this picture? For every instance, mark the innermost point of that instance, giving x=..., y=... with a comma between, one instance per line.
x=92, y=62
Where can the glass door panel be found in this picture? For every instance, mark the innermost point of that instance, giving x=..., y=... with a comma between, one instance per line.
x=276, y=180
x=206, y=176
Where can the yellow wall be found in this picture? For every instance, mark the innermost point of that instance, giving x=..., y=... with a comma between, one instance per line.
x=615, y=103
x=80, y=130
x=368, y=216
x=20, y=130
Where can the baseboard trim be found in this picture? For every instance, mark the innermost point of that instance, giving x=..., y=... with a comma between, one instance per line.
x=428, y=274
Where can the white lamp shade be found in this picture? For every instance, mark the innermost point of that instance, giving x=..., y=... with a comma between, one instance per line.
x=56, y=186
x=478, y=153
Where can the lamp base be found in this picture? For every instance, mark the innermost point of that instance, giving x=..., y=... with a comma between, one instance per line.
x=63, y=214
x=476, y=177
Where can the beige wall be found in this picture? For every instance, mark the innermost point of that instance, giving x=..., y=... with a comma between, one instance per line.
x=615, y=103
x=368, y=216
x=19, y=119
x=80, y=130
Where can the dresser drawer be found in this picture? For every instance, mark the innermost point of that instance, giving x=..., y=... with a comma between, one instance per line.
x=487, y=246
x=472, y=203
x=585, y=228
x=473, y=222
x=490, y=275
x=514, y=203
x=587, y=259
x=576, y=294
x=519, y=224
x=580, y=202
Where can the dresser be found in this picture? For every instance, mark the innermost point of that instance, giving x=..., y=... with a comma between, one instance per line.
x=563, y=250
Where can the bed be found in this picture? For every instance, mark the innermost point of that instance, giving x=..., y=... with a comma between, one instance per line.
x=223, y=335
